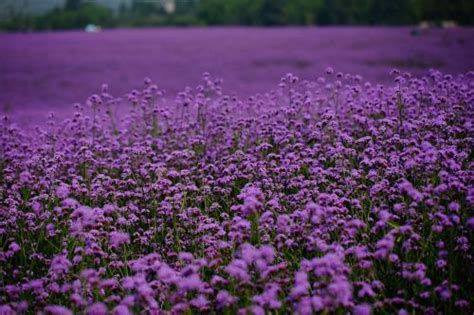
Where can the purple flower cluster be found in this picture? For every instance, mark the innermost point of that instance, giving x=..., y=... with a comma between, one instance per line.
x=334, y=195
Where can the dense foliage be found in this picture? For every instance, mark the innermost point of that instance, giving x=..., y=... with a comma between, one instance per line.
x=69, y=17
x=333, y=12
x=329, y=196
x=252, y=12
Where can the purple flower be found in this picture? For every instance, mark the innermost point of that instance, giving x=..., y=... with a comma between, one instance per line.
x=408, y=188
x=121, y=310
x=60, y=265
x=187, y=257
x=57, y=310
x=190, y=283
x=253, y=200
x=238, y=269
x=224, y=299
x=302, y=285
x=25, y=177
x=200, y=302
x=97, y=309
x=341, y=291
x=14, y=247
x=6, y=310
x=117, y=239
x=62, y=191
x=362, y=309
x=470, y=223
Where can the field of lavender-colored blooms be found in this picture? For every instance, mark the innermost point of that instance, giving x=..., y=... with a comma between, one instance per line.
x=51, y=71
x=340, y=191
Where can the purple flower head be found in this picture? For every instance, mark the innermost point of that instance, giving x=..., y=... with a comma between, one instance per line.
x=57, y=310
x=200, y=302
x=470, y=223
x=97, y=309
x=238, y=269
x=62, y=191
x=191, y=283
x=60, y=265
x=253, y=200
x=224, y=299
x=341, y=291
x=14, y=247
x=329, y=70
x=185, y=256
x=25, y=177
x=121, y=310
x=269, y=298
x=413, y=193
x=362, y=309
x=117, y=239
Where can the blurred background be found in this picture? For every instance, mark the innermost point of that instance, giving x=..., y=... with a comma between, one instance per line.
x=54, y=53
x=73, y=14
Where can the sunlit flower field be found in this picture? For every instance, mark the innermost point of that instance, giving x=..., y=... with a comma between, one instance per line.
x=332, y=195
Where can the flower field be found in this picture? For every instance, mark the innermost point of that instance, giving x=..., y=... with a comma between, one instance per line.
x=332, y=195
x=40, y=72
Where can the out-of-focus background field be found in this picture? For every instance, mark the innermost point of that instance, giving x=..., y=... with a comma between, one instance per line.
x=54, y=53
x=40, y=72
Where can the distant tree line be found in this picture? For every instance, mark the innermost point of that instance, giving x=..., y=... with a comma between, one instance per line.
x=78, y=13
x=334, y=12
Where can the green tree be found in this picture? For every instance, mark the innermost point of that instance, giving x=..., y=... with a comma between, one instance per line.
x=301, y=12
x=76, y=19
x=272, y=12
x=214, y=12
x=73, y=4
